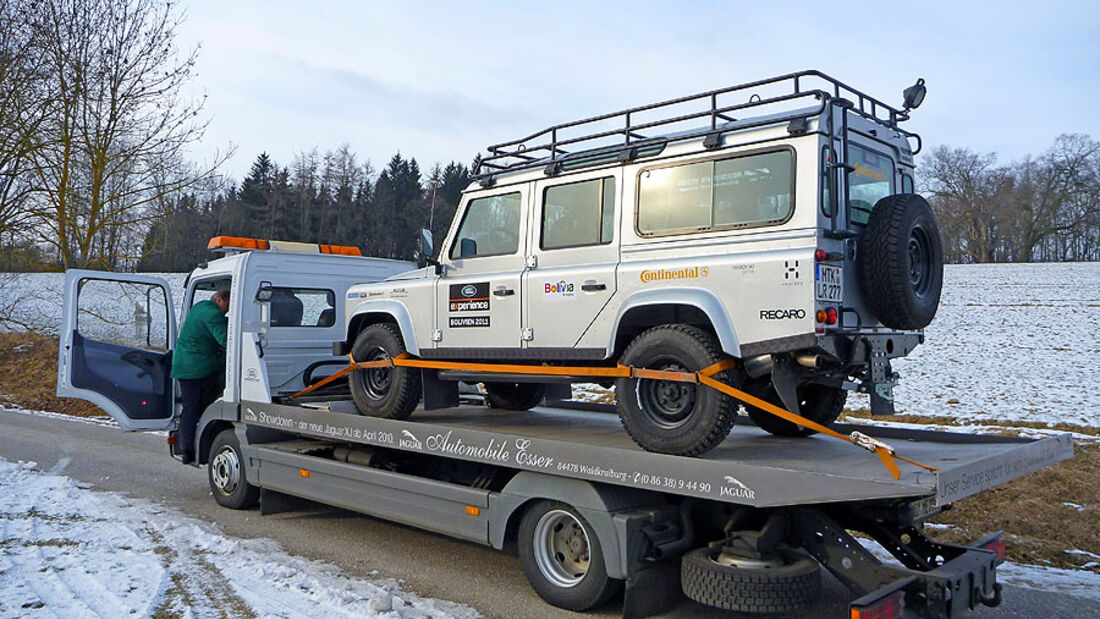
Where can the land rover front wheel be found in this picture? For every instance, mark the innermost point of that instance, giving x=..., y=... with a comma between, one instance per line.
x=679, y=418
x=391, y=392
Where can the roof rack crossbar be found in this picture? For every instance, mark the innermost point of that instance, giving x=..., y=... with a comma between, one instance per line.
x=520, y=154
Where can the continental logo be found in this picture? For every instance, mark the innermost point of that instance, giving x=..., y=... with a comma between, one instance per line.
x=659, y=275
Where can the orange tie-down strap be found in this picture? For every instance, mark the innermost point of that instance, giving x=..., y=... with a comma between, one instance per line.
x=704, y=377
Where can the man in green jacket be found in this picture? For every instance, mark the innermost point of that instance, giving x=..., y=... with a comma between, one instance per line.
x=198, y=362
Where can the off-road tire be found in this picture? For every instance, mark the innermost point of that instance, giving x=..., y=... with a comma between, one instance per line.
x=514, y=396
x=901, y=262
x=377, y=394
x=226, y=464
x=819, y=403
x=693, y=430
x=790, y=587
x=594, y=589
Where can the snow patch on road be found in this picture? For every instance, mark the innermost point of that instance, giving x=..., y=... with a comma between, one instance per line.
x=67, y=551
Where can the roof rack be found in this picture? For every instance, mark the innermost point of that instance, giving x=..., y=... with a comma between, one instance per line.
x=628, y=134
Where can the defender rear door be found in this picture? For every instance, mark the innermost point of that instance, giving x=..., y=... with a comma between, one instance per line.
x=117, y=335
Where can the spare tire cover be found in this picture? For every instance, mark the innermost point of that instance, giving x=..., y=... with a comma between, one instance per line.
x=901, y=262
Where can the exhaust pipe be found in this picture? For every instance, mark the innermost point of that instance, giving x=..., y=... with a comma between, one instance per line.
x=759, y=366
x=814, y=362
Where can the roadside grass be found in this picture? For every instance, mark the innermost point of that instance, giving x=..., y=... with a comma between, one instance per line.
x=28, y=377
x=1040, y=526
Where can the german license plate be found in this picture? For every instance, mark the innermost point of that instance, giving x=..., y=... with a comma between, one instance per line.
x=828, y=284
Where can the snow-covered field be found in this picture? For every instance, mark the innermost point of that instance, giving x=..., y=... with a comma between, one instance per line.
x=68, y=551
x=1016, y=342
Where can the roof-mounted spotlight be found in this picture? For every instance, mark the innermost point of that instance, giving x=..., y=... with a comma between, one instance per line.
x=914, y=95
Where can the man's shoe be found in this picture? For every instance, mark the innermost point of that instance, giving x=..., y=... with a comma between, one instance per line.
x=188, y=458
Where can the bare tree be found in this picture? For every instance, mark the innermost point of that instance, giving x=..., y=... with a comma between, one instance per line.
x=969, y=191
x=117, y=124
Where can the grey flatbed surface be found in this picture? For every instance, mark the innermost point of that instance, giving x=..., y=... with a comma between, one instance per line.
x=750, y=467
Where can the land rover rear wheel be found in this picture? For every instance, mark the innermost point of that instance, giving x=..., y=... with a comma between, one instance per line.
x=670, y=417
x=389, y=392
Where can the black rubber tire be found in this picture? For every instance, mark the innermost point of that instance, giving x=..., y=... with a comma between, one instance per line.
x=819, y=403
x=595, y=587
x=787, y=588
x=392, y=393
x=689, y=431
x=514, y=396
x=901, y=262
x=241, y=495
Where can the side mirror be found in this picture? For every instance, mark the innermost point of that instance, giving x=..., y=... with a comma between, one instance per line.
x=914, y=95
x=425, y=248
x=467, y=248
x=264, y=292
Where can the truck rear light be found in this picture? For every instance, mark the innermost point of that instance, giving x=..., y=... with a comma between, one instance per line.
x=997, y=545
x=888, y=607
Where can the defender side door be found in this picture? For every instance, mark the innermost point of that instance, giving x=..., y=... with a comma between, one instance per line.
x=117, y=335
x=574, y=238
x=478, y=298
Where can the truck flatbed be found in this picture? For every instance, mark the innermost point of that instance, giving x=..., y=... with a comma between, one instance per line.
x=750, y=467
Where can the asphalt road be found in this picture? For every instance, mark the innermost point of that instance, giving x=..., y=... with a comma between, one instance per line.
x=431, y=565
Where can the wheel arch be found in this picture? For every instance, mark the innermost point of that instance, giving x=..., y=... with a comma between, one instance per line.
x=695, y=306
x=595, y=503
x=372, y=312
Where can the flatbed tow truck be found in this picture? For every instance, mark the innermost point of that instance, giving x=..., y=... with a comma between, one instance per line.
x=725, y=275
x=562, y=485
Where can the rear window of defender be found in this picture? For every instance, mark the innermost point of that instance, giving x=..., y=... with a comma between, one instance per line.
x=717, y=194
x=870, y=181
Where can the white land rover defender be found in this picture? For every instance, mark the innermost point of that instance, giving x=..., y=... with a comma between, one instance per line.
x=773, y=222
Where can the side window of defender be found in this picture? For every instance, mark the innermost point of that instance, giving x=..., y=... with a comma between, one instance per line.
x=578, y=214
x=717, y=194
x=490, y=227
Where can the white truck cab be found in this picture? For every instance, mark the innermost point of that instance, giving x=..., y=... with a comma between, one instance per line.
x=286, y=309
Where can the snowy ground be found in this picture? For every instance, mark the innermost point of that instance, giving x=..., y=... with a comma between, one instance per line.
x=67, y=551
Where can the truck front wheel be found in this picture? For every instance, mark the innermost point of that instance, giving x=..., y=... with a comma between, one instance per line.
x=226, y=474
x=683, y=419
x=389, y=392
x=562, y=558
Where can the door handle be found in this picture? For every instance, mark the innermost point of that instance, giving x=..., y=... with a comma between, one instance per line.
x=593, y=287
x=503, y=292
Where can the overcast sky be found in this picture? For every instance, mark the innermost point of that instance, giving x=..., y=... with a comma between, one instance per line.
x=440, y=81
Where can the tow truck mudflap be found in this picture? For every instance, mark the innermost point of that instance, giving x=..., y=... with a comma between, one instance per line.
x=958, y=585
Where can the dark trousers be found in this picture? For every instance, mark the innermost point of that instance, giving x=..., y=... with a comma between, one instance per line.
x=197, y=394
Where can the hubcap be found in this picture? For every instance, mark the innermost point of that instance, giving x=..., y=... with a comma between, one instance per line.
x=376, y=381
x=666, y=403
x=561, y=548
x=225, y=470
x=920, y=261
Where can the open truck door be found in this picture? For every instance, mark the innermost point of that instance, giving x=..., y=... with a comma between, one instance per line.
x=117, y=335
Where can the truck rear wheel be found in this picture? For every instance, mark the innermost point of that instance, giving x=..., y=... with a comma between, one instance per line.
x=514, y=396
x=819, y=403
x=670, y=417
x=788, y=582
x=228, y=482
x=562, y=558
x=392, y=393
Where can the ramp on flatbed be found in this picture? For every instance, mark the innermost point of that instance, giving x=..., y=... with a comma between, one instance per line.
x=750, y=468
